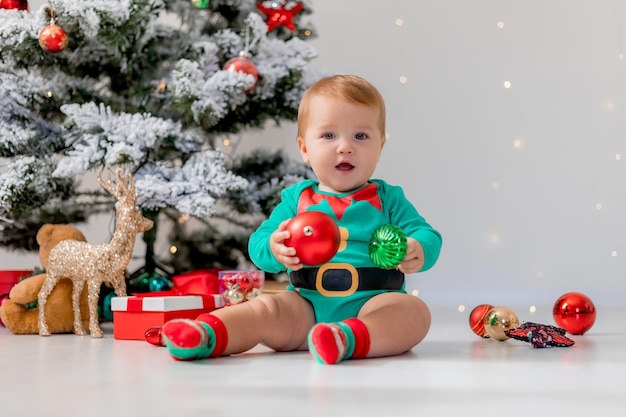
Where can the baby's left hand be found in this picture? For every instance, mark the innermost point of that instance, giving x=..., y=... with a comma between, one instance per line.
x=414, y=258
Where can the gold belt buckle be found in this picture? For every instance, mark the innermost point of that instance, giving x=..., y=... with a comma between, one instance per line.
x=344, y=293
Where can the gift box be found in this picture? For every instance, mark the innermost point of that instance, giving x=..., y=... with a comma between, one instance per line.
x=8, y=278
x=133, y=315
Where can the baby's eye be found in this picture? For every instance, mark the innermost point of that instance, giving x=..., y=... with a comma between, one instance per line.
x=328, y=135
x=360, y=136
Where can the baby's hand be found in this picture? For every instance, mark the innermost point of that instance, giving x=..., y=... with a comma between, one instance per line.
x=414, y=258
x=284, y=254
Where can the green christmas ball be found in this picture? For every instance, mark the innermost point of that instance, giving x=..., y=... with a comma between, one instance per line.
x=200, y=4
x=387, y=246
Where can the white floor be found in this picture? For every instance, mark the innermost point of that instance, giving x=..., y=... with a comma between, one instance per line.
x=451, y=372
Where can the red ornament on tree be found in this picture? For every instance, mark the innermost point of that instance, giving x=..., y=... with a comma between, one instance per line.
x=243, y=64
x=14, y=4
x=477, y=319
x=278, y=15
x=575, y=312
x=315, y=236
x=53, y=38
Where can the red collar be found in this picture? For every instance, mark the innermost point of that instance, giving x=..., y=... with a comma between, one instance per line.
x=369, y=193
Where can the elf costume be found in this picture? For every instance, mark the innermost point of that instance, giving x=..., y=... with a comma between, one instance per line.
x=336, y=290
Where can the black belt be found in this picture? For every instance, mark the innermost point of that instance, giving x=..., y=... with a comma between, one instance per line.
x=340, y=280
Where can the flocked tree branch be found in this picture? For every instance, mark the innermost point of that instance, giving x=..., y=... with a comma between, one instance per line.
x=141, y=84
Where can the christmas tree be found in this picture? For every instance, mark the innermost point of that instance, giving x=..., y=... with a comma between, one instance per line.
x=152, y=86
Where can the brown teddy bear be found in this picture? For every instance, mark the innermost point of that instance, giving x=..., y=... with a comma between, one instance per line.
x=60, y=317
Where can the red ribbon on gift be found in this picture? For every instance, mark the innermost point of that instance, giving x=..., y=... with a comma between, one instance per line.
x=198, y=282
x=134, y=304
x=169, y=303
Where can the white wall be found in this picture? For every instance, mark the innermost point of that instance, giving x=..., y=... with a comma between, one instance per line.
x=513, y=219
x=528, y=221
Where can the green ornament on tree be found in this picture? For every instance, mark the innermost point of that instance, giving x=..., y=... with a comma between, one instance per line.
x=387, y=246
x=200, y=4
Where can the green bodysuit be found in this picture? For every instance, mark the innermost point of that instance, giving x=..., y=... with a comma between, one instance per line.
x=358, y=214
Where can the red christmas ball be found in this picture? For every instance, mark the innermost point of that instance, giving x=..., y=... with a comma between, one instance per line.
x=315, y=236
x=477, y=319
x=243, y=64
x=53, y=39
x=574, y=312
x=154, y=337
x=14, y=4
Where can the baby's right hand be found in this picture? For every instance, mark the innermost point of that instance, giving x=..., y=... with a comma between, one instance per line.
x=284, y=254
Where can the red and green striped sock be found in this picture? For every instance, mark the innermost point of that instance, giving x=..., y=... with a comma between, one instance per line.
x=331, y=343
x=188, y=340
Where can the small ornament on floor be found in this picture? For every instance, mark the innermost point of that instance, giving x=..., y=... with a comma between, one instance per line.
x=498, y=320
x=540, y=335
x=501, y=323
x=154, y=336
x=575, y=312
x=477, y=319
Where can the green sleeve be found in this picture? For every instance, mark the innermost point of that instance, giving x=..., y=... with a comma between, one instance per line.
x=404, y=215
x=258, y=245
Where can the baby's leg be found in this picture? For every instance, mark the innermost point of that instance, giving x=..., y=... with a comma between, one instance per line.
x=279, y=321
x=388, y=324
x=396, y=322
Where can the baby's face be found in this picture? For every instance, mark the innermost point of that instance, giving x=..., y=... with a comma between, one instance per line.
x=342, y=142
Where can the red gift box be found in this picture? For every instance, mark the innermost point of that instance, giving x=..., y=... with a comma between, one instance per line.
x=9, y=278
x=132, y=316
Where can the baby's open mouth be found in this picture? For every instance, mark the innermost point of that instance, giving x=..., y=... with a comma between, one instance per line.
x=344, y=166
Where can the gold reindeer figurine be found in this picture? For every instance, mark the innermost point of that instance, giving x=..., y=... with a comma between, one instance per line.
x=82, y=262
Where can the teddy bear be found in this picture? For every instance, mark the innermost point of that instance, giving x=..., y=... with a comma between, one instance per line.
x=14, y=312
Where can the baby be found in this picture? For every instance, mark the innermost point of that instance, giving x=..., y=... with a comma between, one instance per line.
x=347, y=308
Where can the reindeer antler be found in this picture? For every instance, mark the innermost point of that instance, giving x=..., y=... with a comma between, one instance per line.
x=124, y=190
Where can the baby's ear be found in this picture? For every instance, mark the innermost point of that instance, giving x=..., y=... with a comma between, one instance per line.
x=302, y=147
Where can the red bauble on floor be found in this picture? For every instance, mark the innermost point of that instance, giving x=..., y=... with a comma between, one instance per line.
x=477, y=319
x=575, y=312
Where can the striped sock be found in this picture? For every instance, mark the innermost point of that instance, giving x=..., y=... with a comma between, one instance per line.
x=331, y=343
x=361, y=338
x=221, y=334
x=188, y=340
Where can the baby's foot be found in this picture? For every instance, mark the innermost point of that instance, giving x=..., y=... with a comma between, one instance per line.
x=188, y=340
x=328, y=343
